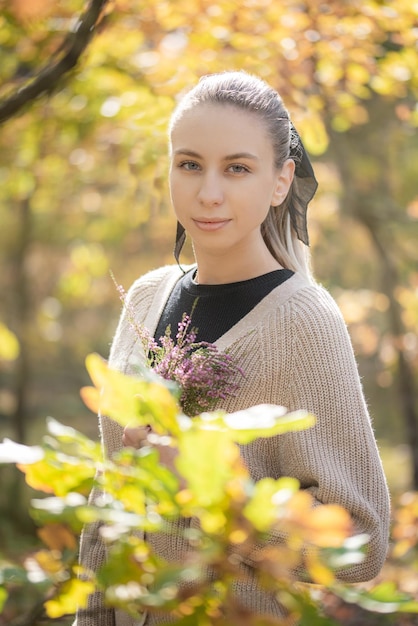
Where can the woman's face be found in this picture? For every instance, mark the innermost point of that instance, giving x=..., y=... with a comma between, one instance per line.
x=223, y=179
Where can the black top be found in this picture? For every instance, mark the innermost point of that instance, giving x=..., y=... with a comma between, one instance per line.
x=217, y=308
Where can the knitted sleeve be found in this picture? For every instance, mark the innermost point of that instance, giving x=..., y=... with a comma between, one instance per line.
x=92, y=557
x=337, y=459
x=125, y=348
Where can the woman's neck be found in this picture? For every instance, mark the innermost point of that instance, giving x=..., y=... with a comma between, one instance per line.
x=224, y=269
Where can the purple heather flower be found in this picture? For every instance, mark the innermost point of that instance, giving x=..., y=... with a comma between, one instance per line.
x=203, y=374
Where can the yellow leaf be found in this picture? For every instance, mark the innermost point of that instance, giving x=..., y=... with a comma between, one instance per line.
x=213, y=521
x=326, y=525
x=269, y=494
x=402, y=547
x=57, y=537
x=357, y=73
x=33, y=10
x=72, y=595
x=49, y=561
x=91, y=398
x=279, y=560
x=36, y=476
x=129, y=400
x=97, y=369
x=9, y=345
x=58, y=476
x=300, y=504
x=238, y=536
x=329, y=525
x=314, y=134
x=319, y=573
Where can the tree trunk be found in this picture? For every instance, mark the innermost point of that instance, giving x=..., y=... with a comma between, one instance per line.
x=23, y=316
x=405, y=374
x=375, y=208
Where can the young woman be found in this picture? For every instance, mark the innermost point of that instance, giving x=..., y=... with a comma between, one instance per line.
x=240, y=182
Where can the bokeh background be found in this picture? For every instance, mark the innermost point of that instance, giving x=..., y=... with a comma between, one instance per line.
x=83, y=188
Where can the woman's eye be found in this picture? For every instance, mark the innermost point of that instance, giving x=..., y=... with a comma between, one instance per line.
x=189, y=166
x=238, y=169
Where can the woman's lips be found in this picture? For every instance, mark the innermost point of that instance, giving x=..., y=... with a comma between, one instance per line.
x=210, y=224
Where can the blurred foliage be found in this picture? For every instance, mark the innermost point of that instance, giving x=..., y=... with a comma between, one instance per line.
x=83, y=181
x=233, y=512
x=9, y=345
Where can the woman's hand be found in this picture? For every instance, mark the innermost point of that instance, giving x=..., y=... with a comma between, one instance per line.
x=136, y=436
x=140, y=436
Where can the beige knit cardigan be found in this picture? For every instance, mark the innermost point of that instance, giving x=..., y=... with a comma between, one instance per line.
x=295, y=351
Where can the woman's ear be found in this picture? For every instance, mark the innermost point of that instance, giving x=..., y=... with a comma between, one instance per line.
x=283, y=182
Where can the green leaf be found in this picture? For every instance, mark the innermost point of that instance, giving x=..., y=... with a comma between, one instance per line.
x=141, y=472
x=311, y=614
x=3, y=597
x=268, y=496
x=384, y=598
x=70, y=442
x=125, y=561
x=12, y=574
x=262, y=420
x=206, y=459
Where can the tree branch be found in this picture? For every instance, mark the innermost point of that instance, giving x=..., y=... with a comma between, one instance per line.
x=71, y=49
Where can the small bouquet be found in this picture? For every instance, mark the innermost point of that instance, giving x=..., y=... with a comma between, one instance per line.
x=203, y=373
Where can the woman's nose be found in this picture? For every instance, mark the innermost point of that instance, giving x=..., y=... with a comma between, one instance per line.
x=211, y=191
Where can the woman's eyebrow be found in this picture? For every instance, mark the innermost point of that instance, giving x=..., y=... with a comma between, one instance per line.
x=186, y=152
x=229, y=157
x=241, y=155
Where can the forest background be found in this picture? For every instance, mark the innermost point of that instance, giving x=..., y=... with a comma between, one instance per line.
x=83, y=190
